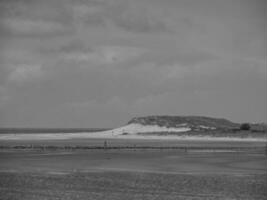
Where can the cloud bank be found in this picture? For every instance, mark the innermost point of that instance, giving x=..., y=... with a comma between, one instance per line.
x=98, y=63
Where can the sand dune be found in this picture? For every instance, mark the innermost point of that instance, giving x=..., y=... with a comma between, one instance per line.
x=130, y=131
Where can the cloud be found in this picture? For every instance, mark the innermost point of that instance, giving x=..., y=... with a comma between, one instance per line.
x=113, y=58
x=140, y=21
x=22, y=63
x=134, y=17
x=3, y=95
x=120, y=53
x=94, y=104
x=25, y=73
x=34, y=18
x=101, y=55
x=157, y=74
x=89, y=14
x=80, y=111
x=30, y=27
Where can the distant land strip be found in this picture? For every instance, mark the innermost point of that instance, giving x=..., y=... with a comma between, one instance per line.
x=50, y=130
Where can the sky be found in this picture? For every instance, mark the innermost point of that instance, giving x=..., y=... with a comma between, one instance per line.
x=99, y=63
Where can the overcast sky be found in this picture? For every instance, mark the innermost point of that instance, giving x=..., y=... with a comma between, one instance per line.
x=98, y=63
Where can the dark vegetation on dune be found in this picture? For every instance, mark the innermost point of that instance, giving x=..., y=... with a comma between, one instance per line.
x=204, y=125
x=175, y=121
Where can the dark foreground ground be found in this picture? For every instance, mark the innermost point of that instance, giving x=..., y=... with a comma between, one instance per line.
x=113, y=174
x=130, y=185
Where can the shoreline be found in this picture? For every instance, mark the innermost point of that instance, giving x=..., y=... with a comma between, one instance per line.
x=99, y=135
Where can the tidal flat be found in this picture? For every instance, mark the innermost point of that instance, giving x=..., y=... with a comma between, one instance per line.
x=197, y=173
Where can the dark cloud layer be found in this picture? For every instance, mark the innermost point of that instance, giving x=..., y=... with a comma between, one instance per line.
x=98, y=63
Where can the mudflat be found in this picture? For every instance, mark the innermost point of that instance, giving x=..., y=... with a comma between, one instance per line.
x=161, y=161
x=131, y=185
x=134, y=173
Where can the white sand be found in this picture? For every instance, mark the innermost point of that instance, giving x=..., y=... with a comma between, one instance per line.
x=126, y=132
x=206, y=127
x=132, y=129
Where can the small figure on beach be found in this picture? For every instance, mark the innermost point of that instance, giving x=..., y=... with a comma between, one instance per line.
x=105, y=144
